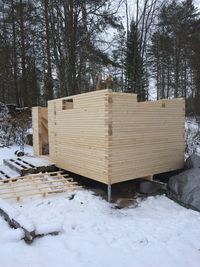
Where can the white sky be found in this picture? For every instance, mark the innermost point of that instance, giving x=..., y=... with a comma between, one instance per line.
x=197, y=2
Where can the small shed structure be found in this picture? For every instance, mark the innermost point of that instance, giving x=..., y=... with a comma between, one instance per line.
x=110, y=137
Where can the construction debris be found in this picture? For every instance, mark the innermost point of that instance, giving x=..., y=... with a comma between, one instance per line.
x=21, y=166
x=26, y=165
x=17, y=220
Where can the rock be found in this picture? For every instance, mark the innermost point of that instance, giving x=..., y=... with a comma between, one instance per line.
x=185, y=188
x=151, y=187
x=192, y=162
x=125, y=203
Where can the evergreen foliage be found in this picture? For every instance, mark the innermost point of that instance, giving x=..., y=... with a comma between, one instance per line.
x=135, y=77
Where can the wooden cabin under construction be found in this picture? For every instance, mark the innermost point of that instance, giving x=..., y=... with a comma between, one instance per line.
x=110, y=137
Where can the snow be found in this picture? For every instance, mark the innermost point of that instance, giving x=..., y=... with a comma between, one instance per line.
x=24, y=222
x=47, y=228
x=8, y=171
x=158, y=232
x=14, y=214
x=37, y=161
x=11, y=212
x=9, y=152
x=12, y=235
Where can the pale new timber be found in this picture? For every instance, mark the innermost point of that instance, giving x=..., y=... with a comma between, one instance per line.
x=110, y=137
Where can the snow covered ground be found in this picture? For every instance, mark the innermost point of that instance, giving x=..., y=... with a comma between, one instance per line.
x=9, y=152
x=156, y=233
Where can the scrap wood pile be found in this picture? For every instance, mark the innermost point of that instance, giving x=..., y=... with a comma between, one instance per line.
x=42, y=184
x=18, y=221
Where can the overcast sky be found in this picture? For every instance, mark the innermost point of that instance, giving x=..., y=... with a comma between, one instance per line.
x=197, y=2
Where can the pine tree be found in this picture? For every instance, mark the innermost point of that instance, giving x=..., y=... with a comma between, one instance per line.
x=135, y=77
x=171, y=50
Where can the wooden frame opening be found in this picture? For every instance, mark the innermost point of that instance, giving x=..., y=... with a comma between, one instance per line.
x=67, y=104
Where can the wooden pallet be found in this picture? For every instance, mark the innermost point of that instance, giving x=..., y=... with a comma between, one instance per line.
x=42, y=184
x=6, y=172
x=3, y=175
x=23, y=167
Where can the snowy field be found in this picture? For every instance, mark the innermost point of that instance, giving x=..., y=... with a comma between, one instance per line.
x=156, y=233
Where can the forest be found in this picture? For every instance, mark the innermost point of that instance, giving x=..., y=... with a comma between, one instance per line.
x=56, y=48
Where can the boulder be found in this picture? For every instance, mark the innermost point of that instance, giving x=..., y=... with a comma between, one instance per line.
x=192, y=162
x=151, y=187
x=185, y=188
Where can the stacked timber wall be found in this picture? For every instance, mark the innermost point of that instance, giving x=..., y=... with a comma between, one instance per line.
x=147, y=137
x=110, y=137
x=78, y=134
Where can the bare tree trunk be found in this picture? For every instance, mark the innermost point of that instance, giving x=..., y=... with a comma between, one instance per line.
x=143, y=25
x=168, y=81
x=177, y=71
x=24, y=100
x=70, y=36
x=15, y=56
x=49, y=82
x=127, y=17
